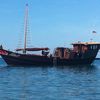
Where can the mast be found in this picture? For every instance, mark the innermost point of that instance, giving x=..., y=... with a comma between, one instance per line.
x=25, y=28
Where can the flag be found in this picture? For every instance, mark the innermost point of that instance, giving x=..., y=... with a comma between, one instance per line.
x=27, y=4
x=94, y=32
x=3, y=52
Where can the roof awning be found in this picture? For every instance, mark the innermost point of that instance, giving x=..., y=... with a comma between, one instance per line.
x=32, y=49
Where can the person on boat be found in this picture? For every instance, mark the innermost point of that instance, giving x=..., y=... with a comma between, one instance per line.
x=45, y=53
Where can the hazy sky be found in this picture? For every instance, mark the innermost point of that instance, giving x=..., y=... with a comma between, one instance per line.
x=51, y=22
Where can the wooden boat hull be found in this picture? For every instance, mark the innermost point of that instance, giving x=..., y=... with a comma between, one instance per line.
x=29, y=60
x=13, y=58
x=40, y=61
x=73, y=61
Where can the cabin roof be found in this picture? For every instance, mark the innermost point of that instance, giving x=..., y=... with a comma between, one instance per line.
x=86, y=43
x=60, y=47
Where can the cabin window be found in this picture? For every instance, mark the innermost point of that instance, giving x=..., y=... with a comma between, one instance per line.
x=76, y=48
x=91, y=47
x=84, y=48
x=96, y=46
x=56, y=53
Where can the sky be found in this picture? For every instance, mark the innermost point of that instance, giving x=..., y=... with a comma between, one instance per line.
x=52, y=23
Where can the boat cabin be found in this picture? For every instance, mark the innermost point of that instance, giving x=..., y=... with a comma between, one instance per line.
x=85, y=50
x=85, y=46
x=62, y=52
x=80, y=50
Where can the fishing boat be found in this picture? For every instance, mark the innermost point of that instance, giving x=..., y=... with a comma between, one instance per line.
x=80, y=53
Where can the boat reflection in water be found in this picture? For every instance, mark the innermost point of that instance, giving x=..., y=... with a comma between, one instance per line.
x=34, y=83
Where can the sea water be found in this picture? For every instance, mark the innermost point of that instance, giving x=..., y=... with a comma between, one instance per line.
x=50, y=83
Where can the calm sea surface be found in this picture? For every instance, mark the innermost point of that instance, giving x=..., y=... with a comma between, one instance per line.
x=50, y=83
